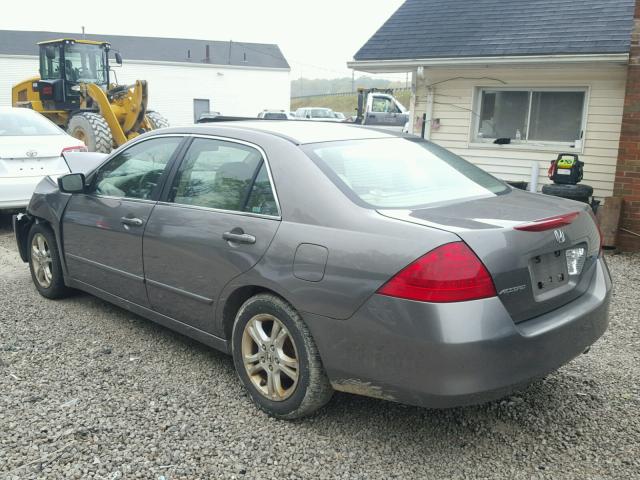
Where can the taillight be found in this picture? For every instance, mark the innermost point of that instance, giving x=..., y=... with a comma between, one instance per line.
x=76, y=148
x=548, y=223
x=449, y=273
x=600, y=235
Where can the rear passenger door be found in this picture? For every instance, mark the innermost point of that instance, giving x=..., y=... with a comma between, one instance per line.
x=217, y=218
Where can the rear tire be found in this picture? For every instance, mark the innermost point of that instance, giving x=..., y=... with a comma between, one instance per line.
x=295, y=355
x=156, y=120
x=93, y=130
x=44, y=263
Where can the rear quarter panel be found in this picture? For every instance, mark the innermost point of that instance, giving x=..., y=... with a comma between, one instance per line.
x=364, y=248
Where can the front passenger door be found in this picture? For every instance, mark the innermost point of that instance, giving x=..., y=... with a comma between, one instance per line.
x=102, y=229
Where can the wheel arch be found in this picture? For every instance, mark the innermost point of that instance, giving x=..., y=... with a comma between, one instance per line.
x=47, y=206
x=22, y=226
x=231, y=302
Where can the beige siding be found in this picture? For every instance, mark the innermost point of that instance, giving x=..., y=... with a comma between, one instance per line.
x=454, y=103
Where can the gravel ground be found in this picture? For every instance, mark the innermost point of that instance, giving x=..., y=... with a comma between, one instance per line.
x=88, y=390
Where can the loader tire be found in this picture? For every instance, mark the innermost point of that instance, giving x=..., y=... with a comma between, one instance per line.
x=156, y=120
x=93, y=130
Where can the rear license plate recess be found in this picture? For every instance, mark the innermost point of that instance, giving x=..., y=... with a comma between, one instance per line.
x=548, y=272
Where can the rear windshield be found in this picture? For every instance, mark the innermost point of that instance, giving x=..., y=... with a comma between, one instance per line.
x=401, y=173
x=22, y=122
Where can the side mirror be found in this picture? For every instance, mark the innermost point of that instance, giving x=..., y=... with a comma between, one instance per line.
x=72, y=183
x=308, y=116
x=50, y=52
x=118, y=58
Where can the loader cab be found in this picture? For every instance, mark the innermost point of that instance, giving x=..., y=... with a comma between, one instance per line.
x=66, y=63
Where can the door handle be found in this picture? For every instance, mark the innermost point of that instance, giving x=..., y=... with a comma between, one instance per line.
x=239, y=237
x=132, y=222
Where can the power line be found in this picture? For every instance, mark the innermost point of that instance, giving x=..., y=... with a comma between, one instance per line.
x=293, y=60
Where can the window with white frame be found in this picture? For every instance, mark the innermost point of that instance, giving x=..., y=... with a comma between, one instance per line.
x=535, y=116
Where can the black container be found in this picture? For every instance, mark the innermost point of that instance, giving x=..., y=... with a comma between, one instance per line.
x=567, y=169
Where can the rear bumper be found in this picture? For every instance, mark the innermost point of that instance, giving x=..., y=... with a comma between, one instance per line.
x=15, y=192
x=445, y=355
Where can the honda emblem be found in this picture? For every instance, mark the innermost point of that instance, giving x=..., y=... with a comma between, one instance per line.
x=560, y=237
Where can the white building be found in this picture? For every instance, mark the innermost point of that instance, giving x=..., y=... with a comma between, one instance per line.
x=186, y=77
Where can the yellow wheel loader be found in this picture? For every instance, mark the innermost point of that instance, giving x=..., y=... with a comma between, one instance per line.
x=75, y=92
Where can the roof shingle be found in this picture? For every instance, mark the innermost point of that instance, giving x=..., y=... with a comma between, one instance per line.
x=18, y=42
x=422, y=29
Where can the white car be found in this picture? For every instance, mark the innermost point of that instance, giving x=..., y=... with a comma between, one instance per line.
x=31, y=147
x=316, y=114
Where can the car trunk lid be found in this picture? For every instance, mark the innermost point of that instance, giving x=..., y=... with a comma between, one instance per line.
x=529, y=268
x=32, y=156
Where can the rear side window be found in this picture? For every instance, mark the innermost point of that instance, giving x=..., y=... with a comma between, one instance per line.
x=224, y=175
x=401, y=173
x=261, y=199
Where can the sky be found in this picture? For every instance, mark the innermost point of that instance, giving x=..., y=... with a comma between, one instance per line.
x=316, y=37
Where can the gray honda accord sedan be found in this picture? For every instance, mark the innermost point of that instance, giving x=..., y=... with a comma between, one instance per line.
x=327, y=257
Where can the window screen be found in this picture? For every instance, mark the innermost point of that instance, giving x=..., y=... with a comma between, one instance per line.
x=556, y=116
x=503, y=114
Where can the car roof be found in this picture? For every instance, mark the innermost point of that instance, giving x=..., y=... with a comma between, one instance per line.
x=298, y=132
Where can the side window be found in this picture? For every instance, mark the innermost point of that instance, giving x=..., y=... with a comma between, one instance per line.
x=261, y=199
x=383, y=105
x=50, y=68
x=216, y=174
x=135, y=172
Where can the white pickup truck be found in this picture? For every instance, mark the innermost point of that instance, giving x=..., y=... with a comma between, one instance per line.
x=379, y=108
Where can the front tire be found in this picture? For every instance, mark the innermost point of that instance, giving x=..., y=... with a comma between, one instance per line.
x=277, y=359
x=93, y=130
x=44, y=263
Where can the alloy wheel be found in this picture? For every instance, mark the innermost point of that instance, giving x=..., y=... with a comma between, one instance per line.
x=41, y=260
x=270, y=357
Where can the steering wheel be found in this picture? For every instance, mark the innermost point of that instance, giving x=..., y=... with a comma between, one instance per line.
x=148, y=181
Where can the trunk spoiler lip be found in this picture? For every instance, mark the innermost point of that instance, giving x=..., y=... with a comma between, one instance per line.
x=549, y=223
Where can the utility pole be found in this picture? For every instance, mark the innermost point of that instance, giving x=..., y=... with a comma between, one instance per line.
x=83, y=32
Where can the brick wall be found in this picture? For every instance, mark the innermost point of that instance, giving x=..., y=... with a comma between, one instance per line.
x=627, y=182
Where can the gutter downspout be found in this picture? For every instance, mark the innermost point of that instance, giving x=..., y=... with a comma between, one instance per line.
x=428, y=113
x=412, y=101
